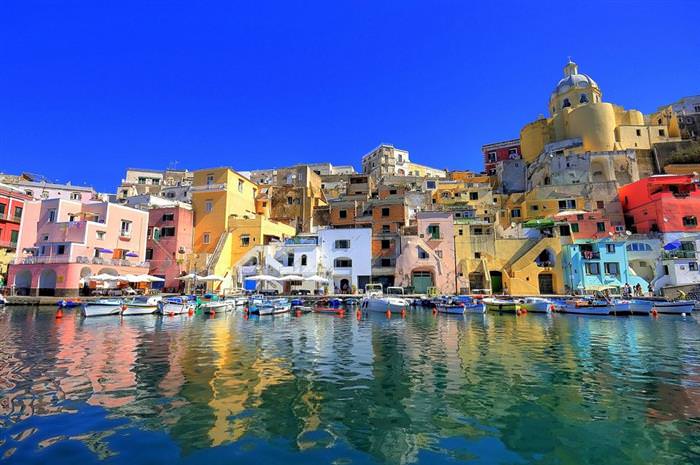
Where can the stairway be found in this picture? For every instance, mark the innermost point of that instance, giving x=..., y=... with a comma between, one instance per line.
x=213, y=259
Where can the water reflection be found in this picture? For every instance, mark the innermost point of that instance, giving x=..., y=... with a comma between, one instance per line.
x=425, y=388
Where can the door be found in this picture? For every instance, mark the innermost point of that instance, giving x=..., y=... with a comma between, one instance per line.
x=496, y=282
x=546, y=282
x=421, y=281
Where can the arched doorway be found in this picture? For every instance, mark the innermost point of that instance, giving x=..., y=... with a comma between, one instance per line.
x=23, y=282
x=345, y=286
x=496, y=282
x=47, y=282
x=85, y=273
x=546, y=283
x=421, y=281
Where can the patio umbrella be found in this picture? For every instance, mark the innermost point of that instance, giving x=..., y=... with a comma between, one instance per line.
x=190, y=276
x=104, y=277
x=673, y=245
x=131, y=254
x=105, y=250
x=211, y=277
x=317, y=279
x=291, y=277
x=147, y=278
x=568, y=213
x=262, y=277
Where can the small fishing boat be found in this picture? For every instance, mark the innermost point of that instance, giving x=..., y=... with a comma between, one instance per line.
x=272, y=307
x=102, y=307
x=141, y=305
x=451, y=307
x=640, y=306
x=376, y=301
x=536, y=304
x=301, y=309
x=586, y=306
x=501, y=305
x=352, y=302
x=674, y=306
x=622, y=306
x=213, y=307
x=70, y=303
x=297, y=302
x=178, y=306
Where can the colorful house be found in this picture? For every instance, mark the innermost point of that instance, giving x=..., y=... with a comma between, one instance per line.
x=11, y=208
x=169, y=243
x=664, y=203
x=63, y=242
x=594, y=265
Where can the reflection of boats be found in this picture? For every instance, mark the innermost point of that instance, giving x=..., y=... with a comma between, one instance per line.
x=102, y=307
x=330, y=310
x=674, y=306
x=141, y=305
x=536, y=304
x=271, y=307
x=178, y=306
x=375, y=300
x=501, y=305
x=459, y=305
x=586, y=306
x=3, y=300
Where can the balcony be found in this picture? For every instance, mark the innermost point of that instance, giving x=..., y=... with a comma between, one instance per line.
x=208, y=187
x=61, y=259
x=590, y=255
x=679, y=254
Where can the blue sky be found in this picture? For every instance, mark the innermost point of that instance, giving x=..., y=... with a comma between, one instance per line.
x=89, y=88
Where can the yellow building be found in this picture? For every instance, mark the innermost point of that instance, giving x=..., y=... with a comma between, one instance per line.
x=225, y=208
x=577, y=111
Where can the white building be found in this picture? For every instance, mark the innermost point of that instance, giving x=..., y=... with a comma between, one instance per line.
x=679, y=267
x=387, y=160
x=46, y=191
x=347, y=254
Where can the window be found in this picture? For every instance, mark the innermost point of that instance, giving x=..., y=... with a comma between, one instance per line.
x=18, y=213
x=75, y=195
x=566, y=103
x=493, y=157
x=619, y=228
x=206, y=238
x=100, y=235
x=240, y=185
x=13, y=236
x=639, y=133
x=515, y=213
x=2, y=209
x=692, y=266
x=666, y=269
x=592, y=268
x=168, y=216
x=422, y=254
x=460, y=231
x=612, y=268
x=386, y=262
x=210, y=179
x=167, y=232
x=600, y=204
x=564, y=230
x=60, y=249
x=245, y=241
x=583, y=99
x=473, y=196
x=567, y=204
x=342, y=244
x=434, y=231
x=290, y=200
x=600, y=226
x=534, y=207
x=125, y=229
x=386, y=244
x=386, y=228
x=662, y=133
x=430, y=184
x=208, y=206
x=477, y=255
x=342, y=263
x=52, y=215
x=392, y=191
x=477, y=232
x=574, y=227
x=303, y=260
x=690, y=221
x=149, y=254
x=385, y=211
x=45, y=237
x=71, y=218
x=342, y=214
x=610, y=248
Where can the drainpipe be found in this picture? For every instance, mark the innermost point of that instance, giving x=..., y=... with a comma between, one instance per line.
x=454, y=253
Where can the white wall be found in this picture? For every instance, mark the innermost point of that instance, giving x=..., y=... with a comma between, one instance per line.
x=360, y=252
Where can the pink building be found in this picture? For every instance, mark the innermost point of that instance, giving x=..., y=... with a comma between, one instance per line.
x=63, y=241
x=169, y=243
x=427, y=256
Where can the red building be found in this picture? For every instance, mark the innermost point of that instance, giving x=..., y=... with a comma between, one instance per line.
x=664, y=203
x=499, y=151
x=169, y=243
x=11, y=208
x=588, y=225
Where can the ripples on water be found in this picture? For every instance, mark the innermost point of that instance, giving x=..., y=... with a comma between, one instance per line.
x=322, y=389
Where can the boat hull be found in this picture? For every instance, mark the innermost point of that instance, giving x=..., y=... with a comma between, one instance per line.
x=537, y=306
x=177, y=308
x=384, y=304
x=450, y=309
x=94, y=309
x=131, y=310
x=212, y=308
x=502, y=306
x=586, y=309
x=674, y=308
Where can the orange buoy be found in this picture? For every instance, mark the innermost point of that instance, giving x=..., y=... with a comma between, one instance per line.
x=434, y=311
x=388, y=313
x=654, y=312
x=403, y=313
x=358, y=314
x=59, y=313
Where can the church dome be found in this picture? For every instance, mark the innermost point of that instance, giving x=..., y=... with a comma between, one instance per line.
x=573, y=79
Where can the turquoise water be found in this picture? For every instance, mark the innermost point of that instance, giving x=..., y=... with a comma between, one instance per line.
x=492, y=389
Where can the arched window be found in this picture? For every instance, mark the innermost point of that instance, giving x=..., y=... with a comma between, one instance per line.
x=583, y=99
x=303, y=260
x=566, y=103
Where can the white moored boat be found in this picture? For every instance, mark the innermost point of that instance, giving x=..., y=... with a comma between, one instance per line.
x=272, y=307
x=376, y=301
x=178, y=306
x=215, y=306
x=102, y=307
x=536, y=304
x=141, y=305
x=674, y=306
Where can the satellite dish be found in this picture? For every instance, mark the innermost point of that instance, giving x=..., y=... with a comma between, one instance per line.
x=629, y=233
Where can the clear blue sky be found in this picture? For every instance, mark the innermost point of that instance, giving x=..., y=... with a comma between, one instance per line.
x=89, y=88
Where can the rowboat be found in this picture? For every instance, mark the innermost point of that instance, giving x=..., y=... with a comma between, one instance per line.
x=102, y=307
x=674, y=306
x=586, y=306
x=375, y=300
x=536, y=304
x=68, y=303
x=501, y=305
x=213, y=307
x=272, y=307
x=329, y=310
x=141, y=305
x=178, y=306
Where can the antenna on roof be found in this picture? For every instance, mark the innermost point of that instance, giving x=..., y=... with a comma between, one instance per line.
x=173, y=165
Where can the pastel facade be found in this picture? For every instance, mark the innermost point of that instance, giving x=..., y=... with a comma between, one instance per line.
x=64, y=241
x=678, y=268
x=45, y=190
x=500, y=151
x=169, y=245
x=346, y=254
x=387, y=160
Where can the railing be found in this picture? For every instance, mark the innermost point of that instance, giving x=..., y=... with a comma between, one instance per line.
x=588, y=255
x=55, y=259
x=208, y=187
x=679, y=254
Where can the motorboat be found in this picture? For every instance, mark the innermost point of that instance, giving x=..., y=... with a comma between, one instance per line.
x=178, y=306
x=352, y=302
x=471, y=304
x=376, y=301
x=676, y=307
x=501, y=305
x=70, y=303
x=536, y=304
x=272, y=307
x=102, y=307
x=141, y=305
x=640, y=306
x=329, y=310
x=622, y=306
x=586, y=306
x=213, y=307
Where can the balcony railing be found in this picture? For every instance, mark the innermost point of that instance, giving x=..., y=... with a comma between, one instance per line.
x=679, y=254
x=208, y=187
x=590, y=255
x=59, y=259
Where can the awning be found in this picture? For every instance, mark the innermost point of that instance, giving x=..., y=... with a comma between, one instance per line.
x=317, y=279
x=539, y=223
x=673, y=245
x=261, y=277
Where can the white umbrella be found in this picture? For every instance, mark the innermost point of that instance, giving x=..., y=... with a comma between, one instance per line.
x=131, y=278
x=317, y=279
x=262, y=277
x=190, y=276
x=568, y=213
x=212, y=277
x=291, y=277
x=147, y=278
x=104, y=277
